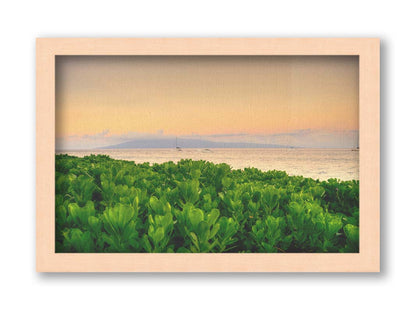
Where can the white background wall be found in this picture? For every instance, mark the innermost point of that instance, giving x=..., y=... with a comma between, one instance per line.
x=23, y=289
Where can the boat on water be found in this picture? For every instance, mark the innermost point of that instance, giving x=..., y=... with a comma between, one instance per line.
x=177, y=147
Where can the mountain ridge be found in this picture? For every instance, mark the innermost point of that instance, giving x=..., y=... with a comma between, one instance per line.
x=187, y=143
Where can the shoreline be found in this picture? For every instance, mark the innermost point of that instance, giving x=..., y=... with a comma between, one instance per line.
x=215, y=163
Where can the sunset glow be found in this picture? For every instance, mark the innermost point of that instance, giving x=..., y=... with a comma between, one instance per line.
x=205, y=95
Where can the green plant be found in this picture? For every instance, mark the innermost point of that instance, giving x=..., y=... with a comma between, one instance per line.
x=78, y=241
x=108, y=205
x=120, y=228
x=200, y=228
x=160, y=226
x=270, y=235
x=352, y=233
x=79, y=215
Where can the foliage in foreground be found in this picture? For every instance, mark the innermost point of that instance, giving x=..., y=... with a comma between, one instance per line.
x=107, y=205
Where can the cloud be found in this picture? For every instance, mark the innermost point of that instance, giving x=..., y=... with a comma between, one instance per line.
x=296, y=133
x=103, y=138
x=220, y=135
x=97, y=135
x=319, y=138
x=309, y=138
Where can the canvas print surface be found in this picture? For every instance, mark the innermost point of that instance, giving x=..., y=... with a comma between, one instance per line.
x=207, y=154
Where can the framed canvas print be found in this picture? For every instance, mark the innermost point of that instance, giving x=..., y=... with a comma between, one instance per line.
x=208, y=155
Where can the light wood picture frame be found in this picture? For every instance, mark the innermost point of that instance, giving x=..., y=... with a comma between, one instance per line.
x=368, y=258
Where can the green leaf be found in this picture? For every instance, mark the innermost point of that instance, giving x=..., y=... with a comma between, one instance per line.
x=195, y=217
x=158, y=236
x=213, y=216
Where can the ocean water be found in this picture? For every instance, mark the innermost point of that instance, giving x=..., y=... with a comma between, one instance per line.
x=319, y=164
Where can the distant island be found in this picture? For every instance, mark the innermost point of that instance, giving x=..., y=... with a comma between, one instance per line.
x=187, y=143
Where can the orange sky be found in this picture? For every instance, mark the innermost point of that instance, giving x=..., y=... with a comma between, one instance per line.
x=182, y=95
